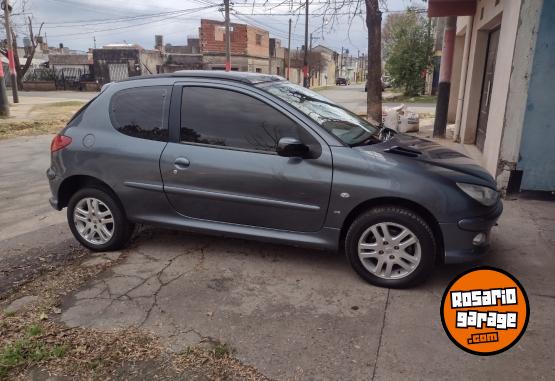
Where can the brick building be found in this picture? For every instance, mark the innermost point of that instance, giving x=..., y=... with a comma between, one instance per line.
x=250, y=47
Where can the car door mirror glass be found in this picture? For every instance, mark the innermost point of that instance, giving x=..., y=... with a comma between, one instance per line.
x=292, y=147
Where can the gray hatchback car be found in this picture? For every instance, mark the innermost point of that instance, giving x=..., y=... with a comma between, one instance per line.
x=253, y=156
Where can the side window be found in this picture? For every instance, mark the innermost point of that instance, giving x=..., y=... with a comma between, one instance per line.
x=141, y=112
x=230, y=119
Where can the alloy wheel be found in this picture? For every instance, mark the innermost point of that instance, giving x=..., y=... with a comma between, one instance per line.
x=93, y=220
x=389, y=250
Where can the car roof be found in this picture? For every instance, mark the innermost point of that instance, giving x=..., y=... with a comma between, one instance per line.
x=245, y=77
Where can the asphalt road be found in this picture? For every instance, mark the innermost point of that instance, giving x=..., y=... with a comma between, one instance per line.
x=353, y=97
x=292, y=313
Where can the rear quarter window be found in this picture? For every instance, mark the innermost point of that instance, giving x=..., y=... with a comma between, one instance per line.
x=78, y=116
x=141, y=112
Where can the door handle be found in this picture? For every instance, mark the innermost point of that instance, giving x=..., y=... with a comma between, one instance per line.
x=181, y=163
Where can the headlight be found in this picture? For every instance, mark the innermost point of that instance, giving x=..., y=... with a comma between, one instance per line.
x=484, y=195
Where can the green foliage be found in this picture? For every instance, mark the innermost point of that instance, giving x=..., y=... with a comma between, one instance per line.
x=408, y=50
x=222, y=350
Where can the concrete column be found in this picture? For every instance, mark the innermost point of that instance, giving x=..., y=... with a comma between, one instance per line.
x=445, y=69
x=464, y=71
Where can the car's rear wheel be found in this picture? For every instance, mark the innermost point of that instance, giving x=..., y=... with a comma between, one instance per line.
x=97, y=220
x=391, y=247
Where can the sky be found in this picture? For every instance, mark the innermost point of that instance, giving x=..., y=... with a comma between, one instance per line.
x=76, y=23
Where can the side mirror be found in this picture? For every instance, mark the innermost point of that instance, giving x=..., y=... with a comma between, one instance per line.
x=292, y=147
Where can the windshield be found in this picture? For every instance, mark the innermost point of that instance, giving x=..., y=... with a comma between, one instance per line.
x=347, y=126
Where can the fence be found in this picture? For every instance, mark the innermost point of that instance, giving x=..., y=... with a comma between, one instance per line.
x=63, y=78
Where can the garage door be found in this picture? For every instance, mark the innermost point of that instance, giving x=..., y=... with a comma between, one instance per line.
x=118, y=72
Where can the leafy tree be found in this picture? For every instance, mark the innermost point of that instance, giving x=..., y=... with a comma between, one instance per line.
x=408, y=50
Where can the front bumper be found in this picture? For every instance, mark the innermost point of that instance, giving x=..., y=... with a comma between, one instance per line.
x=459, y=238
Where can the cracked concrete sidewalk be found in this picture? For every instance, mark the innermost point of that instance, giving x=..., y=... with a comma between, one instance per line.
x=301, y=314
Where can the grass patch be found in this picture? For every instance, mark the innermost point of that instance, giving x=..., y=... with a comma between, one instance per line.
x=222, y=350
x=28, y=350
x=322, y=88
x=416, y=99
x=49, y=106
x=25, y=128
x=47, y=118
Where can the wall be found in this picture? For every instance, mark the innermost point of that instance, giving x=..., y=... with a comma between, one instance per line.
x=103, y=57
x=150, y=61
x=537, y=158
x=239, y=63
x=455, y=78
x=255, y=50
x=39, y=86
x=518, y=90
x=212, y=37
x=68, y=59
x=488, y=17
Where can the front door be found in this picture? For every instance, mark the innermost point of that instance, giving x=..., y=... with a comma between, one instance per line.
x=487, y=85
x=225, y=168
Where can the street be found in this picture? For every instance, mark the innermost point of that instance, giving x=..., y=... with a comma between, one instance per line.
x=353, y=97
x=290, y=313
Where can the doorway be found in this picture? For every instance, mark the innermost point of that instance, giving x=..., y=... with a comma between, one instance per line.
x=487, y=84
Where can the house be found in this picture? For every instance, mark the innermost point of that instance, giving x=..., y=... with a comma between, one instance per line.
x=323, y=67
x=114, y=62
x=502, y=87
x=277, y=57
x=250, y=47
x=182, y=57
x=70, y=63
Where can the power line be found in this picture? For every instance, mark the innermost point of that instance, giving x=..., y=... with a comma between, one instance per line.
x=69, y=24
x=130, y=26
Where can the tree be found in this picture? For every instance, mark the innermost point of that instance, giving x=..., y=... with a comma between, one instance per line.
x=21, y=69
x=333, y=11
x=374, y=76
x=408, y=50
x=30, y=53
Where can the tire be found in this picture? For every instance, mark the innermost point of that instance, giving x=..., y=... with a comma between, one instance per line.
x=408, y=263
x=120, y=228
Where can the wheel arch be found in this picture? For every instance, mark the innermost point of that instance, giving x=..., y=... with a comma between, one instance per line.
x=396, y=201
x=76, y=182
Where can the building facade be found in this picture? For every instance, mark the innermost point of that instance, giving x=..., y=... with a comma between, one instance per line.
x=502, y=87
x=115, y=62
x=323, y=73
x=250, y=47
x=277, y=57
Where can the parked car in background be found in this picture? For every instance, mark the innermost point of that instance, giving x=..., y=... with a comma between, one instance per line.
x=341, y=81
x=366, y=86
x=254, y=156
x=386, y=81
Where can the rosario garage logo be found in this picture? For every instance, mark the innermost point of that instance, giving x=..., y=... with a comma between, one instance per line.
x=485, y=311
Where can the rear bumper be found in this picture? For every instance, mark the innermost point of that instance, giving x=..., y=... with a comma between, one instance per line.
x=461, y=239
x=54, y=182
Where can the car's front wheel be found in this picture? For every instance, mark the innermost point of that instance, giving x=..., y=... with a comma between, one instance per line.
x=97, y=220
x=391, y=247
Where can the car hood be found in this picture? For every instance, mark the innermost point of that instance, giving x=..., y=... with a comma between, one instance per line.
x=431, y=153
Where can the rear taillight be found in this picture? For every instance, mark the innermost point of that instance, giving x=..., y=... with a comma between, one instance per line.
x=59, y=142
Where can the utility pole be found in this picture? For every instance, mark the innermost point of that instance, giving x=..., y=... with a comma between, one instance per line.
x=94, y=41
x=4, y=105
x=305, y=60
x=227, y=38
x=289, y=52
x=341, y=64
x=11, y=62
x=444, y=86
